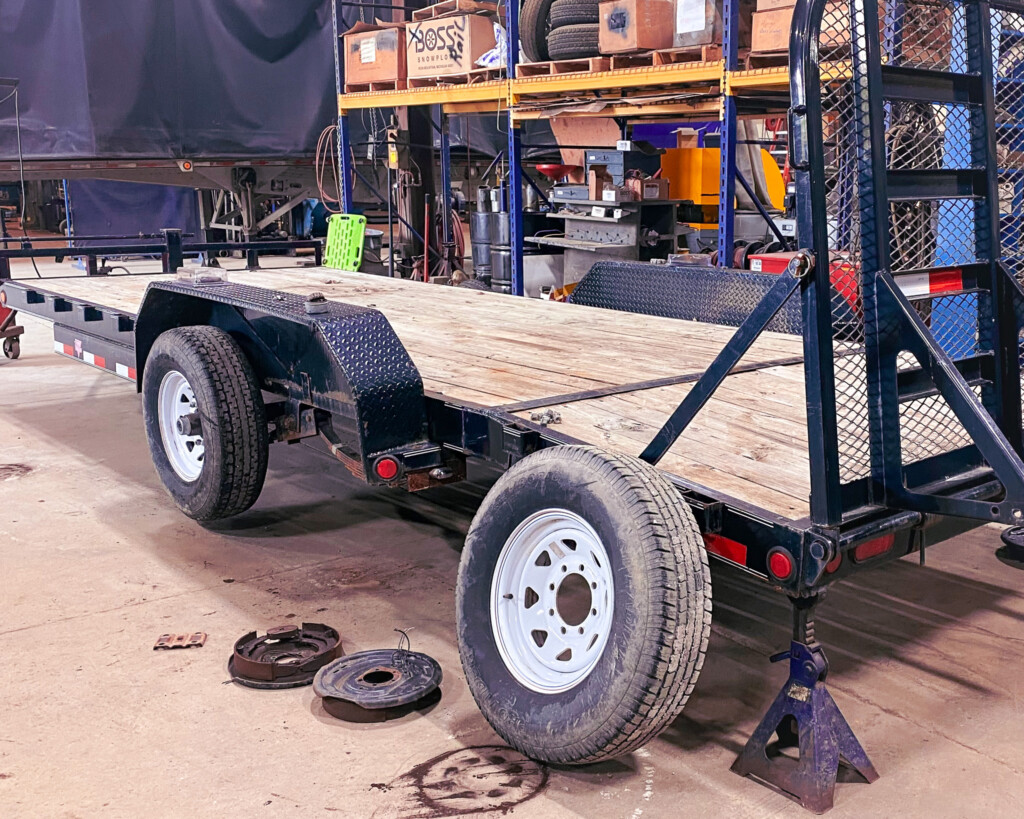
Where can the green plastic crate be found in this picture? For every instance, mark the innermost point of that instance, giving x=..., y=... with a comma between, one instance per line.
x=344, y=250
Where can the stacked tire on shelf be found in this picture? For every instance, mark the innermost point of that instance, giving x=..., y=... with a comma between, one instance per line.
x=558, y=29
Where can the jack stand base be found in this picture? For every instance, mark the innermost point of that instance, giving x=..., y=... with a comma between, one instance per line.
x=804, y=716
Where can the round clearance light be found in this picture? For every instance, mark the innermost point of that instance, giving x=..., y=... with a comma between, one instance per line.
x=386, y=468
x=3, y=297
x=780, y=564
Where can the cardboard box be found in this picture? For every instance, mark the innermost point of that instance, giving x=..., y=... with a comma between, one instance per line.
x=447, y=45
x=768, y=5
x=635, y=25
x=687, y=138
x=374, y=53
x=647, y=189
x=771, y=30
x=699, y=22
x=597, y=178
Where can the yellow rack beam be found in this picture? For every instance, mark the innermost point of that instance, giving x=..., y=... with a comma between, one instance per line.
x=492, y=91
x=492, y=95
x=759, y=79
x=622, y=78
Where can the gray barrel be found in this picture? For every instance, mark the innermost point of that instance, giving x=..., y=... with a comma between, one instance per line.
x=480, y=237
x=501, y=253
x=373, y=242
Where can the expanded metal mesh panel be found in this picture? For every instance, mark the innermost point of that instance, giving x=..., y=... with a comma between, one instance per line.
x=1008, y=71
x=928, y=427
x=918, y=33
x=935, y=233
x=925, y=233
x=1008, y=55
x=916, y=135
x=842, y=121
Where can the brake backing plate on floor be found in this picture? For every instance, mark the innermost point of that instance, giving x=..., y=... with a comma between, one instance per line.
x=373, y=686
x=285, y=657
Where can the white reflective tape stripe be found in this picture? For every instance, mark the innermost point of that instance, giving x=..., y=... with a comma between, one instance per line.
x=121, y=370
x=88, y=357
x=58, y=347
x=914, y=285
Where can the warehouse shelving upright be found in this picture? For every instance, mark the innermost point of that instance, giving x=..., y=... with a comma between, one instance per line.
x=707, y=90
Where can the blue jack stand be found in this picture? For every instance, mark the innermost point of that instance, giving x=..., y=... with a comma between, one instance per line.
x=804, y=716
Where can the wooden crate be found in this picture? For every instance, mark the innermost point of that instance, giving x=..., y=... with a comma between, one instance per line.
x=584, y=65
x=379, y=85
x=469, y=78
x=454, y=7
x=667, y=56
x=766, y=59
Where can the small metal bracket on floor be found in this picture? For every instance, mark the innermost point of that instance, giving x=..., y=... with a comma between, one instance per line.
x=803, y=716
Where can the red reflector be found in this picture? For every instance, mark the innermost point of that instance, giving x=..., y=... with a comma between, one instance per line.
x=833, y=565
x=387, y=468
x=780, y=564
x=729, y=549
x=873, y=548
x=940, y=281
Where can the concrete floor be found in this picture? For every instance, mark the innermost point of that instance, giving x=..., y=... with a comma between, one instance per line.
x=95, y=563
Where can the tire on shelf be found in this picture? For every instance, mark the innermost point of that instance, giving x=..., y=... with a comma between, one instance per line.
x=573, y=12
x=205, y=422
x=573, y=42
x=534, y=25
x=583, y=605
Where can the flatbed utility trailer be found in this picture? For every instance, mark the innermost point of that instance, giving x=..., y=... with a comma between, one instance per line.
x=868, y=404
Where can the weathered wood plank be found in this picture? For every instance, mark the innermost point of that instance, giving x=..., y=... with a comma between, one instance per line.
x=749, y=442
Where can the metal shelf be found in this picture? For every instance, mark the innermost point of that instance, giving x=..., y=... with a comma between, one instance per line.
x=454, y=98
x=688, y=91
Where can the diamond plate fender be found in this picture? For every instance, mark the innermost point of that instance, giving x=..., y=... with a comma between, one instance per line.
x=346, y=360
x=709, y=294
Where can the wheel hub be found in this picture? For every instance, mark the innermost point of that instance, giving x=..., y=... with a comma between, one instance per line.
x=180, y=426
x=552, y=598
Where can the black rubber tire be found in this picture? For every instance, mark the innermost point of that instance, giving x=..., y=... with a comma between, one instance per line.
x=233, y=418
x=573, y=12
x=662, y=593
x=573, y=42
x=534, y=25
x=12, y=348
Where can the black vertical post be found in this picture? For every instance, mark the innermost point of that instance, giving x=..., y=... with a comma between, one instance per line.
x=172, y=256
x=1003, y=398
x=881, y=317
x=807, y=153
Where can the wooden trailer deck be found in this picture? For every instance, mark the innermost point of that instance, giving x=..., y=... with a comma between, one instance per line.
x=749, y=442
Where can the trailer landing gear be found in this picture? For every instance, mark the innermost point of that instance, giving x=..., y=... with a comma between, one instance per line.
x=804, y=716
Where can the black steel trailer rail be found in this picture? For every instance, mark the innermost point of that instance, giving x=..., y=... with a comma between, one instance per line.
x=876, y=218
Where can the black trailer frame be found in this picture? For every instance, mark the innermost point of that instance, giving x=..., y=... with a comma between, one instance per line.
x=880, y=489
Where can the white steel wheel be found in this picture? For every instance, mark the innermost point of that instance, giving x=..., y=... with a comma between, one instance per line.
x=571, y=538
x=552, y=601
x=179, y=430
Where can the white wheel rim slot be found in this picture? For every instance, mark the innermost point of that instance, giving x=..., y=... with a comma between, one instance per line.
x=175, y=400
x=549, y=638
